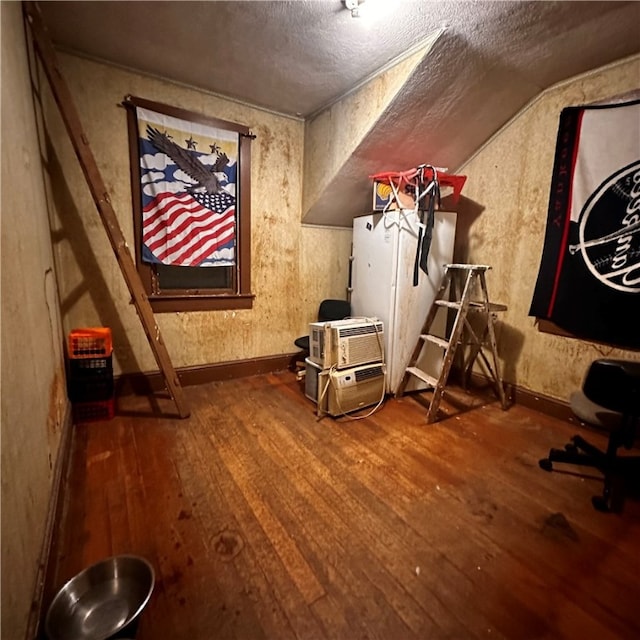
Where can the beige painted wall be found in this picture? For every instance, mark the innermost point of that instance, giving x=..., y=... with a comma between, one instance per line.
x=34, y=402
x=503, y=225
x=293, y=267
x=332, y=136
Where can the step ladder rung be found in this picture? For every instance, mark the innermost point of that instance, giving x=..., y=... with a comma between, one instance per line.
x=457, y=304
x=425, y=377
x=494, y=307
x=468, y=267
x=441, y=342
x=473, y=305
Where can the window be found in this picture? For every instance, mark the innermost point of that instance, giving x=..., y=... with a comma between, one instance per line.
x=191, y=181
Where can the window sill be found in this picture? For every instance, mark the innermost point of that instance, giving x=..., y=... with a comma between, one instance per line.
x=167, y=304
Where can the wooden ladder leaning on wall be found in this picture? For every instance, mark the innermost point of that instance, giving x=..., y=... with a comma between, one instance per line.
x=102, y=199
x=460, y=280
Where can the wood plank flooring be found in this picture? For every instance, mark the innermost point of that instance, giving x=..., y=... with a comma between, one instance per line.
x=264, y=522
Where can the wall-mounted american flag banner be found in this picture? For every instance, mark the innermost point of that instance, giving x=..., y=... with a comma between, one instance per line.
x=188, y=183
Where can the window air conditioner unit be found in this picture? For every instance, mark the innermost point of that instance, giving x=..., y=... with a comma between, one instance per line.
x=346, y=390
x=346, y=343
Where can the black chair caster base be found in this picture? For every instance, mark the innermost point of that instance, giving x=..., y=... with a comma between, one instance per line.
x=545, y=464
x=612, y=498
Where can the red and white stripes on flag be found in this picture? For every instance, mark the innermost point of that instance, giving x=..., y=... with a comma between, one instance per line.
x=179, y=231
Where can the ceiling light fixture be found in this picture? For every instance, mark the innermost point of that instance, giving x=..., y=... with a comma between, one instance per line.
x=353, y=6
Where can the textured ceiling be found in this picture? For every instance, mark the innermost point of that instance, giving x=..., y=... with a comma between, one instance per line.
x=298, y=57
x=295, y=57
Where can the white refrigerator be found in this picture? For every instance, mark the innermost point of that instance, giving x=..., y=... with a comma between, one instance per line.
x=382, y=276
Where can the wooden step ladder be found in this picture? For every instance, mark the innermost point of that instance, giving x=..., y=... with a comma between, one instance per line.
x=46, y=52
x=459, y=284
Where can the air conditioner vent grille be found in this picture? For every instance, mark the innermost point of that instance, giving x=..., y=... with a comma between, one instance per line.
x=359, y=330
x=368, y=373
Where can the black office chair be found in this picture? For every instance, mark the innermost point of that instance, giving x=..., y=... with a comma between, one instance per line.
x=329, y=310
x=610, y=400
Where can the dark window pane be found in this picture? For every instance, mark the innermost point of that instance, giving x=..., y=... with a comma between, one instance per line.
x=193, y=277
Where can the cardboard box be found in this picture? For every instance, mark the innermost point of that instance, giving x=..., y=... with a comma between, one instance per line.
x=385, y=199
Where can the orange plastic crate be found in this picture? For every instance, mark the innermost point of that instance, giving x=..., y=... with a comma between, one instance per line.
x=90, y=343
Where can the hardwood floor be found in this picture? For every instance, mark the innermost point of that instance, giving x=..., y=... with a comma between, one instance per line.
x=263, y=522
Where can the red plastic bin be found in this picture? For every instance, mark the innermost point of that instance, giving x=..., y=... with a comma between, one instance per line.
x=91, y=342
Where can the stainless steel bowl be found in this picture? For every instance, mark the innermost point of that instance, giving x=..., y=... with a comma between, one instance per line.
x=102, y=600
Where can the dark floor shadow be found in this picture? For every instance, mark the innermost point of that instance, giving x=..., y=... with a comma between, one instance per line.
x=454, y=402
x=153, y=413
x=73, y=233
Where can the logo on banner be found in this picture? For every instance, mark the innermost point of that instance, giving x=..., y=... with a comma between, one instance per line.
x=609, y=234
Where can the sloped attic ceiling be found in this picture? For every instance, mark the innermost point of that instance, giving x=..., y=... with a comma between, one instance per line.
x=452, y=100
x=473, y=65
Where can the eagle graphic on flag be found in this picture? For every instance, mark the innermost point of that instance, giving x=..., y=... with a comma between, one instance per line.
x=188, y=195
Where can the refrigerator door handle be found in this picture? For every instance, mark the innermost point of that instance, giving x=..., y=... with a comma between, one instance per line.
x=352, y=261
